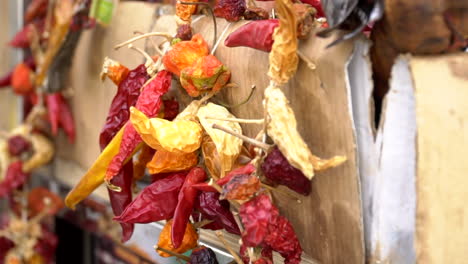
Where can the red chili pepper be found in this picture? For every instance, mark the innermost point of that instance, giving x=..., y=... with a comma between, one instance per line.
x=282, y=239
x=205, y=187
x=21, y=38
x=66, y=120
x=21, y=79
x=119, y=113
x=149, y=102
x=46, y=244
x=209, y=205
x=256, y=34
x=156, y=202
x=231, y=10
x=53, y=111
x=185, y=205
x=17, y=145
x=276, y=168
x=37, y=8
x=241, y=187
x=14, y=178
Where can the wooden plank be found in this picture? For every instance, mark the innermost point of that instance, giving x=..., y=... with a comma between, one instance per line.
x=442, y=116
x=329, y=221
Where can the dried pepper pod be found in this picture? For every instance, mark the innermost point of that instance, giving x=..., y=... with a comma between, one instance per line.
x=255, y=34
x=246, y=169
x=266, y=255
x=184, y=53
x=14, y=178
x=211, y=156
x=204, y=75
x=210, y=207
x=305, y=19
x=18, y=144
x=171, y=109
x=203, y=255
x=53, y=111
x=149, y=102
x=256, y=13
x=185, y=205
x=22, y=79
x=156, y=202
x=276, y=168
x=283, y=57
x=37, y=202
x=241, y=187
x=282, y=128
x=185, y=12
x=189, y=241
x=37, y=8
x=165, y=161
x=231, y=10
x=228, y=147
x=282, y=239
x=184, y=32
x=182, y=136
x=66, y=120
x=113, y=70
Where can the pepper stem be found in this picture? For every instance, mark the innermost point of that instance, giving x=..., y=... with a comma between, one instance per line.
x=172, y=253
x=155, y=47
x=251, y=141
x=202, y=223
x=112, y=187
x=160, y=34
x=207, y=6
x=252, y=90
x=236, y=257
x=238, y=120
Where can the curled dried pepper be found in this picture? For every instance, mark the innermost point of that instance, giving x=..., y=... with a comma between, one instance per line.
x=180, y=135
x=184, y=53
x=231, y=10
x=185, y=205
x=113, y=70
x=203, y=255
x=165, y=161
x=189, y=241
x=21, y=80
x=204, y=75
x=209, y=205
x=149, y=102
x=247, y=169
x=156, y=202
x=37, y=201
x=228, y=147
x=256, y=34
x=185, y=12
x=14, y=178
x=18, y=144
x=276, y=168
x=241, y=187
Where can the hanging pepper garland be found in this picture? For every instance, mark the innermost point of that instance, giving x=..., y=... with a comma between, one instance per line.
x=177, y=147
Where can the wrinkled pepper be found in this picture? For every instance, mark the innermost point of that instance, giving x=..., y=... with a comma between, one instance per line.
x=185, y=12
x=255, y=34
x=18, y=144
x=180, y=135
x=276, y=168
x=231, y=10
x=5, y=80
x=171, y=109
x=53, y=111
x=209, y=205
x=21, y=80
x=266, y=255
x=189, y=241
x=66, y=120
x=156, y=202
x=241, y=187
x=185, y=205
x=115, y=71
x=14, y=178
x=183, y=54
x=139, y=165
x=247, y=169
x=164, y=161
x=37, y=204
x=206, y=74
x=149, y=102
x=36, y=8
x=203, y=255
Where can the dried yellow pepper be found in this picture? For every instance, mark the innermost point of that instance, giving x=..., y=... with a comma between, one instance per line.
x=165, y=161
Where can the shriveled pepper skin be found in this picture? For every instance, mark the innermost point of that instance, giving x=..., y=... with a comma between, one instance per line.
x=17, y=145
x=256, y=215
x=277, y=169
x=53, y=111
x=185, y=205
x=209, y=205
x=66, y=119
x=15, y=177
x=156, y=202
x=190, y=239
x=256, y=34
x=231, y=10
x=127, y=95
x=203, y=255
x=149, y=102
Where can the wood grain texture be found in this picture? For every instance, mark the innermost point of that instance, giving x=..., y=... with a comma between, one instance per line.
x=329, y=221
x=441, y=93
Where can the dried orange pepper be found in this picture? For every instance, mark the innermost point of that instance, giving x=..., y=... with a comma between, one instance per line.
x=114, y=70
x=189, y=241
x=185, y=12
x=183, y=54
x=165, y=161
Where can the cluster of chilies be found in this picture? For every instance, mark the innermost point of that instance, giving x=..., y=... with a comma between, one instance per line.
x=205, y=173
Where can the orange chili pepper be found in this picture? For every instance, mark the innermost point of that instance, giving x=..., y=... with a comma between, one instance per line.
x=185, y=12
x=165, y=161
x=183, y=54
x=189, y=241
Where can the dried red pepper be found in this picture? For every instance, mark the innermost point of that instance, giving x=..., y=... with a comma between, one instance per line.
x=14, y=178
x=37, y=204
x=282, y=239
x=256, y=34
x=37, y=8
x=231, y=10
x=203, y=255
x=7, y=78
x=171, y=109
x=211, y=208
x=66, y=120
x=53, y=111
x=185, y=204
x=184, y=32
x=256, y=13
x=127, y=95
x=46, y=244
x=156, y=202
x=247, y=169
x=276, y=168
x=149, y=102
x=22, y=37
x=18, y=144
x=21, y=80
x=241, y=187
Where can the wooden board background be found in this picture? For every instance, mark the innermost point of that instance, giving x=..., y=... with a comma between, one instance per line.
x=329, y=221
x=441, y=89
